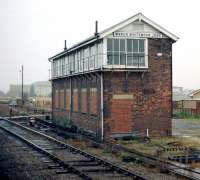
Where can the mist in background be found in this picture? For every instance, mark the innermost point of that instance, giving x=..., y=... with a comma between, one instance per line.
x=31, y=31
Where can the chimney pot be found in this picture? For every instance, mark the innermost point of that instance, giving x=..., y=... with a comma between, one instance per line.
x=65, y=46
x=96, y=28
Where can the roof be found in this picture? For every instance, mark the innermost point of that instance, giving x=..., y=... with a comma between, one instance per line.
x=112, y=29
x=194, y=92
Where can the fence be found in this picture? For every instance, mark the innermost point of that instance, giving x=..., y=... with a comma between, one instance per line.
x=187, y=107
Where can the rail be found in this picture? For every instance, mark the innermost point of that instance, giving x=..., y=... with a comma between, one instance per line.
x=111, y=167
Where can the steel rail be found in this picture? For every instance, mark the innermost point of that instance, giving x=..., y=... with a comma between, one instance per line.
x=90, y=156
x=51, y=156
x=171, y=167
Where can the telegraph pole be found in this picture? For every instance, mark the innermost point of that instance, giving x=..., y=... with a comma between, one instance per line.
x=22, y=70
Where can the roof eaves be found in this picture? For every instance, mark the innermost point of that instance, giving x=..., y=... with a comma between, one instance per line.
x=134, y=18
x=119, y=25
x=160, y=28
x=80, y=44
x=195, y=92
x=113, y=28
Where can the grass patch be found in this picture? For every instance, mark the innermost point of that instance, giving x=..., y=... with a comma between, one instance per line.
x=185, y=115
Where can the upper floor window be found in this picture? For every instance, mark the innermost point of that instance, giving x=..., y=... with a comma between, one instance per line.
x=130, y=52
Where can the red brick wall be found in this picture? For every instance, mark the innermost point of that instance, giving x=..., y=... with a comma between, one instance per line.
x=84, y=102
x=67, y=99
x=198, y=108
x=85, y=112
x=56, y=99
x=121, y=113
x=151, y=103
x=62, y=98
x=93, y=100
x=75, y=100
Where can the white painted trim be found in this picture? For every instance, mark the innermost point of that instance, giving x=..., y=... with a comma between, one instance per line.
x=104, y=61
x=146, y=54
x=134, y=18
x=116, y=27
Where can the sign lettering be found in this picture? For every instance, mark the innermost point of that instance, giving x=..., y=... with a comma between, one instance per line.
x=138, y=34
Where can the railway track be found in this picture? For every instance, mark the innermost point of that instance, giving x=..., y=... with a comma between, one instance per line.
x=165, y=166
x=66, y=158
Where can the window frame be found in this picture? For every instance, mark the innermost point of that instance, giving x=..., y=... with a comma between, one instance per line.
x=120, y=65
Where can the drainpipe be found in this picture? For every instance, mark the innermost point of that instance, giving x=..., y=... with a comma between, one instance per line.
x=102, y=123
x=70, y=98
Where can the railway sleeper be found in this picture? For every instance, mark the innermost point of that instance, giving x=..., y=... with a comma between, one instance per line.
x=95, y=170
x=54, y=166
x=80, y=161
x=86, y=164
x=54, y=148
x=62, y=172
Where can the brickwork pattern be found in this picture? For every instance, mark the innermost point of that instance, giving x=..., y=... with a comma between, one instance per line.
x=75, y=100
x=84, y=100
x=61, y=98
x=67, y=99
x=93, y=100
x=85, y=93
x=151, y=103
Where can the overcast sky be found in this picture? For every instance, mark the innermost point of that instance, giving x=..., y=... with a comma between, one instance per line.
x=33, y=30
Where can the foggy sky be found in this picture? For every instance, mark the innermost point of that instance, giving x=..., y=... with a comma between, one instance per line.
x=33, y=30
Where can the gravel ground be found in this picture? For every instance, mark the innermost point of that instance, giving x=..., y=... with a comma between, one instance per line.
x=185, y=127
x=19, y=162
x=16, y=163
x=188, y=131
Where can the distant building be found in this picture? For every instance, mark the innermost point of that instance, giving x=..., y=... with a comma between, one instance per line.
x=179, y=93
x=195, y=94
x=15, y=90
x=177, y=89
x=42, y=88
x=2, y=94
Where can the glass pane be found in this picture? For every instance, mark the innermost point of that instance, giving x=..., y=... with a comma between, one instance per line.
x=142, y=61
x=110, y=58
x=141, y=45
x=129, y=59
x=135, y=45
x=116, y=44
x=135, y=60
x=116, y=58
x=122, y=58
x=129, y=45
x=122, y=44
x=109, y=45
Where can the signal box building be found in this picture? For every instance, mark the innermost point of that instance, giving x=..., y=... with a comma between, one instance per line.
x=117, y=82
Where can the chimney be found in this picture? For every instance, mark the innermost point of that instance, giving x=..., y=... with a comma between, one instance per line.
x=96, y=28
x=65, y=46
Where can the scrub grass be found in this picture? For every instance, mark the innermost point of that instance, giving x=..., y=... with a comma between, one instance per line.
x=184, y=115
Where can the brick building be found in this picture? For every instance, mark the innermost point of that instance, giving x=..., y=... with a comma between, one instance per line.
x=117, y=82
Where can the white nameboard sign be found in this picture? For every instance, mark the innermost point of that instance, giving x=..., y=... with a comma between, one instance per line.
x=139, y=34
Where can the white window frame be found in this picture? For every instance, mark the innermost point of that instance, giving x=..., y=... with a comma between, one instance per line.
x=126, y=66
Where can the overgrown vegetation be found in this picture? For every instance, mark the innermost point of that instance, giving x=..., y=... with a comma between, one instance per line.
x=185, y=115
x=64, y=122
